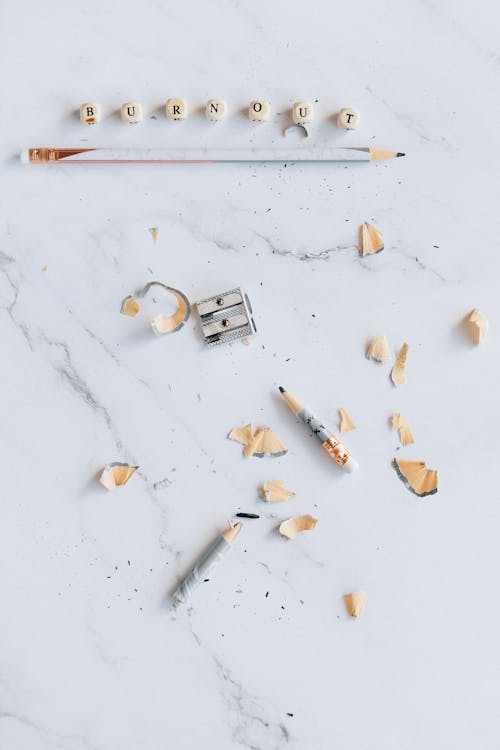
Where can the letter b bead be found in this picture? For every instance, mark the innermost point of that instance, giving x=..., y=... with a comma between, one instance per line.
x=90, y=113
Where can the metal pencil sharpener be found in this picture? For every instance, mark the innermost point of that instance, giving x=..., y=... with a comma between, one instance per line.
x=226, y=317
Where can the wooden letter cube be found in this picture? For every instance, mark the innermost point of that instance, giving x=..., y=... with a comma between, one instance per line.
x=132, y=112
x=302, y=112
x=176, y=109
x=215, y=109
x=258, y=111
x=90, y=113
x=348, y=118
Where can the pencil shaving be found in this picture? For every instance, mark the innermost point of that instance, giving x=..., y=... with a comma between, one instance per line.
x=274, y=490
x=116, y=475
x=296, y=525
x=345, y=423
x=401, y=425
x=243, y=435
x=265, y=443
x=398, y=372
x=371, y=240
x=417, y=478
x=130, y=307
x=155, y=234
x=378, y=349
x=294, y=126
x=162, y=324
x=355, y=603
x=477, y=326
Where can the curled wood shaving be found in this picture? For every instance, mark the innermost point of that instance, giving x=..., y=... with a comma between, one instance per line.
x=417, y=478
x=477, y=326
x=243, y=435
x=355, y=603
x=378, y=349
x=398, y=373
x=116, y=475
x=130, y=307
x=265, y=443
x=371, y=240
x=295, y=525
x=401, y=425
x=274, y=490
x=345, y=424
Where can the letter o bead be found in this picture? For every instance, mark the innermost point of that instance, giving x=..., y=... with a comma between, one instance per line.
x=90, y=113
x=132, y=112
x=348, y=118
x=258, y=111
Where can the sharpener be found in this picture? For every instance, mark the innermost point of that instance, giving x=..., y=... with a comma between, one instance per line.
x=226, y=317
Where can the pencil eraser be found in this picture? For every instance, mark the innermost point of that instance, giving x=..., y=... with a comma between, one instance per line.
x=24, y=156
x=302, y=113
x=215, y=109
x=132, y=112
x=258, y=111
x=90, y=113
x=348, y=118
x=176, y=109
x=351, y=465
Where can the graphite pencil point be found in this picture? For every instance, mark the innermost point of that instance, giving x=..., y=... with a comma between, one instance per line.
x=281, y=389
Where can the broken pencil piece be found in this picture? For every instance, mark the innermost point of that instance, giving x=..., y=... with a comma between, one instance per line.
x=274, y=490
x=247, y=515
x=401, y=425
x=295, y=525
x=398, y=372
x=355, y=603
x=116, y=475
x=378, y=349
x=417, y=478
x=371, y=240
x=213, y=555
x=345, y=424
x=477, y=326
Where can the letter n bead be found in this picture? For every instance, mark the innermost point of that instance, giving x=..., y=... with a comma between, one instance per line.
x=90, y=113
x=132, y=112
x=215, y=109
x=258, y=111
x=348, y=118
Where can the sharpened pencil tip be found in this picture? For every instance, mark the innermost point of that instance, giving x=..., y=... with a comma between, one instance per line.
x=400, y=153
x=281, y=389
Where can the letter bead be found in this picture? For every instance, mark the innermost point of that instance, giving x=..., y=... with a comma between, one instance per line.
x=348, y=118
x=215, y=109
x=302, y=112
x=132, y=112
x=90, y=113
x=258, y=111
x=176, y=109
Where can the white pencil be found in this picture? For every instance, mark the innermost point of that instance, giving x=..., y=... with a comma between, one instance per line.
x=201, y=155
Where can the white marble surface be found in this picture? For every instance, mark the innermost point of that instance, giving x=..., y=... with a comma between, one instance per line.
x=92, y=654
